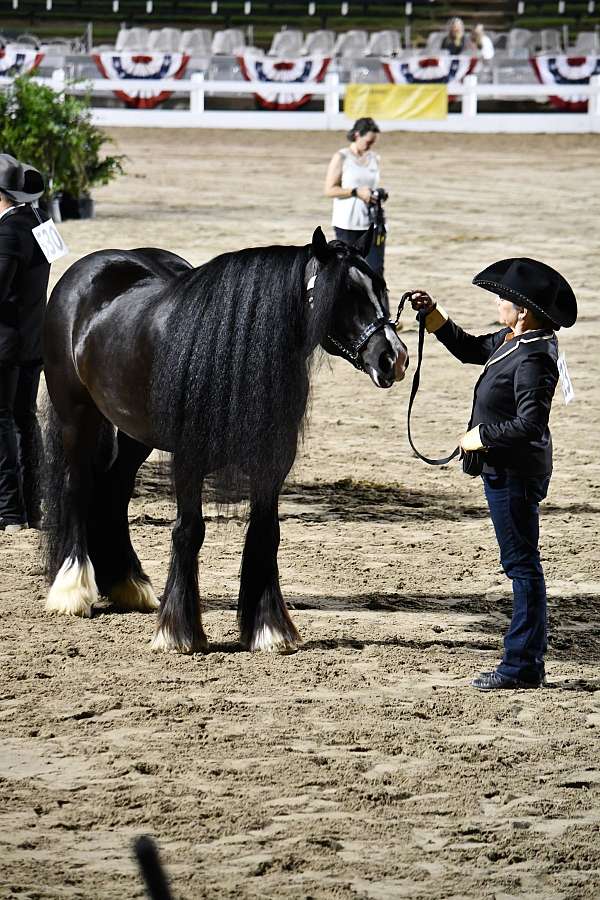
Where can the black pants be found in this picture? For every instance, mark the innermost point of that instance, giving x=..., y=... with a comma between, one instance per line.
x=20, y=443
x=376, y=253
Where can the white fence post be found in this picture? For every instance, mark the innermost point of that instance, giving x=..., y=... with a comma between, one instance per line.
x=594, y=101
x=58, y=81
x=332, y=98
x=197, y=93
x=469, y=98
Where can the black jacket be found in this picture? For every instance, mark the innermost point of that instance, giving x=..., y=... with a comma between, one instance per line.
x=24, y=273
x=513, y=395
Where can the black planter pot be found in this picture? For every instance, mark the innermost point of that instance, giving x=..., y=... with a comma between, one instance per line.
x=76, y=207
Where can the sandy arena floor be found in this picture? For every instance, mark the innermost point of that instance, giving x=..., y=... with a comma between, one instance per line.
x=363, y=766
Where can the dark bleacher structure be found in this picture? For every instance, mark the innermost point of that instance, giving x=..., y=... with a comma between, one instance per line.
x=262, y=19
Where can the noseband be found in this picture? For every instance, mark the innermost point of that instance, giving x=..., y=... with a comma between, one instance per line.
x=351, y=351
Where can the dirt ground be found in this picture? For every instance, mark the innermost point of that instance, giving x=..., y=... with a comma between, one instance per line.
x=363, y=766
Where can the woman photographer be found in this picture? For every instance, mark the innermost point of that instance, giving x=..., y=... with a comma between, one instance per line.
x=352, y=180
x=509, y=441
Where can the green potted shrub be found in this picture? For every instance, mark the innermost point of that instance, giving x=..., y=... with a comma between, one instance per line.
x=54, y=132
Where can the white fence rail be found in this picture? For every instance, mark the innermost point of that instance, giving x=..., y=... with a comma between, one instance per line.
x=332, y=117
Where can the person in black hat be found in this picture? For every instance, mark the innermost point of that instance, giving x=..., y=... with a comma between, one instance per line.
x=508, y=432
x=24, y=273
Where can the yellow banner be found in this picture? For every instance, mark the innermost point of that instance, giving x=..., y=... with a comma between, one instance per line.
x=396, y=101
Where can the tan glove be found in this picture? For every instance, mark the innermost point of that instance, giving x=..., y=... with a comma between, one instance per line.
x=471, y=440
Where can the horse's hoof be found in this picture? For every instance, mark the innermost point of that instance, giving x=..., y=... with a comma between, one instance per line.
x=272, y=640
x=74, y=590
x=166, y=642
x=133, y=594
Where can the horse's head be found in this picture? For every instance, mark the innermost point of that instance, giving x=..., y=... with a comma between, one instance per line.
x=360, y=329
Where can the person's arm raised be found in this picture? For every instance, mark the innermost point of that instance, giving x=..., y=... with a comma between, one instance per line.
x=468, y=348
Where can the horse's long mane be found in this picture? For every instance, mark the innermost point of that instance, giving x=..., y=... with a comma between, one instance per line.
x=234, y=371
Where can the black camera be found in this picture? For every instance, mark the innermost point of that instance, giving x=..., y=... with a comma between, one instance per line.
x=375, y=208
x=379, y=195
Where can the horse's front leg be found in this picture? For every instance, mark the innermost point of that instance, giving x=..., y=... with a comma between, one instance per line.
x=264, y=620
x=179, y=624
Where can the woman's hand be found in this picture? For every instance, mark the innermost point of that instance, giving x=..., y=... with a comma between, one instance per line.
x=421, y=300
x=471, y=440
x=364, y=193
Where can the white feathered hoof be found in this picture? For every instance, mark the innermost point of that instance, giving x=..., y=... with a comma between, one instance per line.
x=74, y=590
x=271, y=639
x=166, y=641
x=133, y=594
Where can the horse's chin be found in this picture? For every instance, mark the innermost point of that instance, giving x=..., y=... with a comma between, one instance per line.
x=379, y=380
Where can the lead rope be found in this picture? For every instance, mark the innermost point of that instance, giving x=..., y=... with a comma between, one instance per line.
x=421, y=315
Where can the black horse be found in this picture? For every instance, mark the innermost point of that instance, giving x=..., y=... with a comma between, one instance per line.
x=212, y=364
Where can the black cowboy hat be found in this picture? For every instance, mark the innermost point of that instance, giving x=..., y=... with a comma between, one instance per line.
x=20, y=182
x=533, y=284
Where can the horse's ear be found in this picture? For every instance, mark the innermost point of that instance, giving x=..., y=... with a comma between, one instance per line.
x=363, y=244
x=320, y=247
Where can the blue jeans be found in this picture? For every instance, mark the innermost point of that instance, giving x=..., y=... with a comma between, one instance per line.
x=513, y=500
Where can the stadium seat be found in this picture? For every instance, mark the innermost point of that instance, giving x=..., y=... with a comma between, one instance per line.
x=519, y=42
x=550, y=41
x=384, y=43
x=58, y=45
x=196, y=41
x=228, y=42
x=166, y=40
x=434, y=41
x=588, y=42
x=287, y=43
x=132, y=39
x=27, y=40
x=351, y=43
x=319, y=42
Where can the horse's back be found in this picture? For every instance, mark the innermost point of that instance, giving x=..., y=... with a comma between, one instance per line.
x=99, y=324
x=105, y=274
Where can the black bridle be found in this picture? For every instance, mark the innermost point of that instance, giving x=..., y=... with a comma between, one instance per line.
x=351, y=351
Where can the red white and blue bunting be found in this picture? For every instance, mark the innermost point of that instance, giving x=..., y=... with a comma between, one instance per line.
x=18, y=60
x=429, y=69
x=151, y=67
x=305, y=70
x=566, y=70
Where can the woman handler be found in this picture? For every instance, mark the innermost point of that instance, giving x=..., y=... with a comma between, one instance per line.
x=509, y=428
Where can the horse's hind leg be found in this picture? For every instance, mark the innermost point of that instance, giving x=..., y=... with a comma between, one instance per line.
x=179, y=624
x=74, y=590
x=265, y=623
x=119, y=573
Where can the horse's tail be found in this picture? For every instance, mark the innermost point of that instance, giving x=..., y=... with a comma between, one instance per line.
x=54, y=483
x=54, y=475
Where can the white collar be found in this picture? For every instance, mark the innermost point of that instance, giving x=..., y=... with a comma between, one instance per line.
x=521, y=339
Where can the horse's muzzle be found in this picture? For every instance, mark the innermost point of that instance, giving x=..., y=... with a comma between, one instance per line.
x=401, y=365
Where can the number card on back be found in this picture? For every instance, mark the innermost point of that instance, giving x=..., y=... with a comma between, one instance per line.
x=47, y=236
x=565, y=379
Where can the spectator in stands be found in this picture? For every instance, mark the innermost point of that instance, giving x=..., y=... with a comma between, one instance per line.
x=455, y=41
x=481, y=43
x=352, y=176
